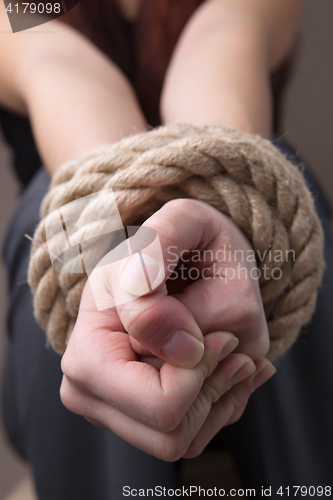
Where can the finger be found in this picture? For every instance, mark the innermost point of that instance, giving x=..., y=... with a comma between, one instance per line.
x=265, y=370
x=230, y=407
x=109, y=370
x=159, y=322
x=231, y=306
x=237, y=413
x=164, y=445
x=97, y=424
x=220, y=414
x=97, y=310
x=226, y=297
x=145, y=355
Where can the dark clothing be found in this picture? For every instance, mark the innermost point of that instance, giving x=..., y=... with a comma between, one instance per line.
x=285, y=437
x=18, y=134
x=70, y=458
x=288, y=424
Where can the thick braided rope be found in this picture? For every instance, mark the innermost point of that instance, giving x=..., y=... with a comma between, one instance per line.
x=241, y=175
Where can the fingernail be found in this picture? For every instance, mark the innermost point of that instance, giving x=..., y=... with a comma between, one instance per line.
x=262, y=376
x=243, y=372
x=138, y=273
x=183, y=349
x=228, y=348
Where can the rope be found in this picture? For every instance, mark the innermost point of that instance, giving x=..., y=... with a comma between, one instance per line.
x=243, y=176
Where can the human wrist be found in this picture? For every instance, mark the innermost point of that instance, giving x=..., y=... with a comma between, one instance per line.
x=64, y=128
x=220, y=75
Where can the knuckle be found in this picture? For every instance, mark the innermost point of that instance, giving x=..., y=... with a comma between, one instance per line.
x=166, y=224
x=263, y=342
x=252, y=326
x=195, y=449
x=209, y=363
x=238, y=413
x=69, y=397
x=182, y=205
x=241, y=394
x=166, y=418
x=173, y=231
x=215, y=390
x=74, y=370
x=251, y=310
x=206, y=369
x=67, y=365
x=137, y=320
x=172, y=447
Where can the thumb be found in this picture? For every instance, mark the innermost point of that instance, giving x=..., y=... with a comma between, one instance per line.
x=159, y=322
x=143, y=270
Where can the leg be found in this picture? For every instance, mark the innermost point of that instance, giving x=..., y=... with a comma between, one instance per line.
x=70, y=458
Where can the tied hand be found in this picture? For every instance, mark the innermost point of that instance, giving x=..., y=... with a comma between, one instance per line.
x=166, y=367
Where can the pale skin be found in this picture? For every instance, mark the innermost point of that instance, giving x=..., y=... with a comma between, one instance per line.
x=219, y=74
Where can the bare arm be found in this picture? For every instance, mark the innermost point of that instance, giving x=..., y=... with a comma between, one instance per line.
x=220, y=69
x=75, y=97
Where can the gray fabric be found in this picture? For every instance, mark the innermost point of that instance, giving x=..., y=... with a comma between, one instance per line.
x=71, y=459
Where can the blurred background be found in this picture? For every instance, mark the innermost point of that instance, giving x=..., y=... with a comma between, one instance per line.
x=307, y=124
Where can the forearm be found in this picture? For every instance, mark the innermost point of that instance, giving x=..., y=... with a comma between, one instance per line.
x=220, y=70
x=75, y=97
x=90, y=104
